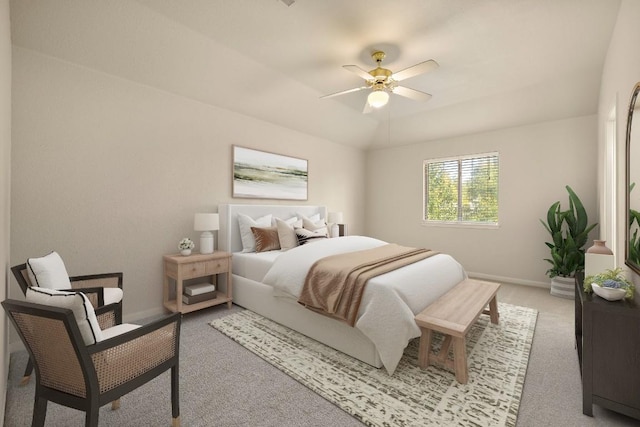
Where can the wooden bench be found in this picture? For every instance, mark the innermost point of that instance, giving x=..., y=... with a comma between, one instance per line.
x=453, y=314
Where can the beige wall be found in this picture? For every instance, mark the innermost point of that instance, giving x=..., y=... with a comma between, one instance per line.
x=536, y=162
x=5, y=186
x=620, y=74
x=109, y=172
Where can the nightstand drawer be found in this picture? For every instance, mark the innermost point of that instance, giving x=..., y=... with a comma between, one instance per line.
x=195, y=269
x=217, y=266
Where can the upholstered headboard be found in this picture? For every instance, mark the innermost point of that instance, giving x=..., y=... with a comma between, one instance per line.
x=229, y=233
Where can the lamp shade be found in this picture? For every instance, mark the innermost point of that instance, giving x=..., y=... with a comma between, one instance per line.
x=335, y=218
x=206, y=222
x=378, y=98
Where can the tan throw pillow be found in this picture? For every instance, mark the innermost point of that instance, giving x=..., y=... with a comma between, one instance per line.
x=286, y=235
x=266, y=238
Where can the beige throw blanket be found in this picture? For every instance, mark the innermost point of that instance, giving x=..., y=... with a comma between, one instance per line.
x=335, y=284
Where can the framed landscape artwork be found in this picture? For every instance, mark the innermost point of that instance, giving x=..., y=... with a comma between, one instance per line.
x=263, y=175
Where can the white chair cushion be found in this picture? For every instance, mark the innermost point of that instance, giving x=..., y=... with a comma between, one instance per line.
x=112, y=295
x=114, y=331
x=74, y=301
x=48, y=272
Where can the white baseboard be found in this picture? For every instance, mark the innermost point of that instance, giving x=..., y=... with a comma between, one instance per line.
x=502, y=279
x=141, y=316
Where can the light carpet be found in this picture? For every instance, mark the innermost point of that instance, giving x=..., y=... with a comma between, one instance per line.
x=497, y=357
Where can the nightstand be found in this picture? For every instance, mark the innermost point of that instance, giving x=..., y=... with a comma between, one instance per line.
x=178, y=268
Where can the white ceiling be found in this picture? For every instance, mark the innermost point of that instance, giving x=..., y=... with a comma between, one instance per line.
x=502, y=62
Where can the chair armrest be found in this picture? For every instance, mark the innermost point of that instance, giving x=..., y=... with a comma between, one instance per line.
x=107, y=315
x=105, y=280
x=174, y=318
x=151, y=347
x=95, y=295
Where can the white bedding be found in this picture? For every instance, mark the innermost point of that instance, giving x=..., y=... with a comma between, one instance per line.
x=390, y=301
x=253, y=265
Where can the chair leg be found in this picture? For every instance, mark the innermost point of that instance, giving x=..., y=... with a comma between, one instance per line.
x=39, y=411
x=91, y=417
x=115, y=404
x=175, y=396
x=27, y=373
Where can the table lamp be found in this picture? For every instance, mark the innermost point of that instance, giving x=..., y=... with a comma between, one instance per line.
x=206, y=222
x=335, y=220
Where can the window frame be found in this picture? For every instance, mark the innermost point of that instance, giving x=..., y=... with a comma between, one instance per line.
x=462, y=224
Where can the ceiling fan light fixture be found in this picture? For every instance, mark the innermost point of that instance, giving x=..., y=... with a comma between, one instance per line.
x=378, y=98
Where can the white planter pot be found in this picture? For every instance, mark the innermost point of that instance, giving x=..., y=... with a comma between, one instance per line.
x=563, y=287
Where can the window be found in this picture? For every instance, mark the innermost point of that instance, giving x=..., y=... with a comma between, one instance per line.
x=462, y=190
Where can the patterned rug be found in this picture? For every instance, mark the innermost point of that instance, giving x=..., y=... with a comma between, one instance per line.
x=497, y=357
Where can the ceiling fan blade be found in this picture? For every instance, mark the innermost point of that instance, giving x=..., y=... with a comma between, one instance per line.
x=359, y=71
x=411, y=93
x=355, y=89
x=367, y=108
x=414, y=70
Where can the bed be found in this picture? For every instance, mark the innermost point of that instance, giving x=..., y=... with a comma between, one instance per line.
x=385, y=319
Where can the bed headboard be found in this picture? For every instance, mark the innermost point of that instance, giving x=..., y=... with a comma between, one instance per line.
x=229, y=233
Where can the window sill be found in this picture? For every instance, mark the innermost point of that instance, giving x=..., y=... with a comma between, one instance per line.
x=459, y=224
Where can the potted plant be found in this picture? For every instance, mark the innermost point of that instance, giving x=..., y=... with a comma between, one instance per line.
x=611, y=285
x=185, y=246
x=569, y=233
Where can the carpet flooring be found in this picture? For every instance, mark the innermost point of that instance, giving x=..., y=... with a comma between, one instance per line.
x=497, y=360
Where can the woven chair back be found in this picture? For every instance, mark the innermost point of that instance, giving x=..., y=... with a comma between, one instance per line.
x=50, y=345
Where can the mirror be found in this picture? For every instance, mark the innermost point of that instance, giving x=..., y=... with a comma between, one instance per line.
x=633, y=184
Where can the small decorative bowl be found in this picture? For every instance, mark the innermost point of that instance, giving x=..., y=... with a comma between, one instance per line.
x=610, y=294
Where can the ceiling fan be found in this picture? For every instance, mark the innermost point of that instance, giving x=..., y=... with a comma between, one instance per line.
x=382, y=82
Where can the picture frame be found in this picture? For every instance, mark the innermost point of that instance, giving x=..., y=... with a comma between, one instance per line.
x=261, y=174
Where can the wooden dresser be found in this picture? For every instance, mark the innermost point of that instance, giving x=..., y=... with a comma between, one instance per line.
x=608, y=344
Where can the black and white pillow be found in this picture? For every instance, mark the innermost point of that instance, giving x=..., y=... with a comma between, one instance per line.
x=318, y=226
x=306, y=236
x=74, y=301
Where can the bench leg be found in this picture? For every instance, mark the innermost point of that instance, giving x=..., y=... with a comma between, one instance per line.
x=460, y=359
x=424, y=348
x=493, y=310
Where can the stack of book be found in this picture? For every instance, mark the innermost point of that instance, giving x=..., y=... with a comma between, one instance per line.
x=198, y=292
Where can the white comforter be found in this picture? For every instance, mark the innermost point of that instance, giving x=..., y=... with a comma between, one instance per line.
x=390, y=301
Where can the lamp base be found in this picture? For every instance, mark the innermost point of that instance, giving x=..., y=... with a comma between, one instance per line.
x=206, y=242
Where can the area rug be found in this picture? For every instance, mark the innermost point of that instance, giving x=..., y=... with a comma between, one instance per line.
x=497, y=357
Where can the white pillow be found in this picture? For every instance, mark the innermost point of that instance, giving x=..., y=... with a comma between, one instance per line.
x=313, y=218
x=319, y=226
x=293, y=221
x=76, y=302
x=286, y=235
x=245, y=223
x=48, y=272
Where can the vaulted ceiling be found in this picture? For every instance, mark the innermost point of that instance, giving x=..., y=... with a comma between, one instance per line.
x=502, y=63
